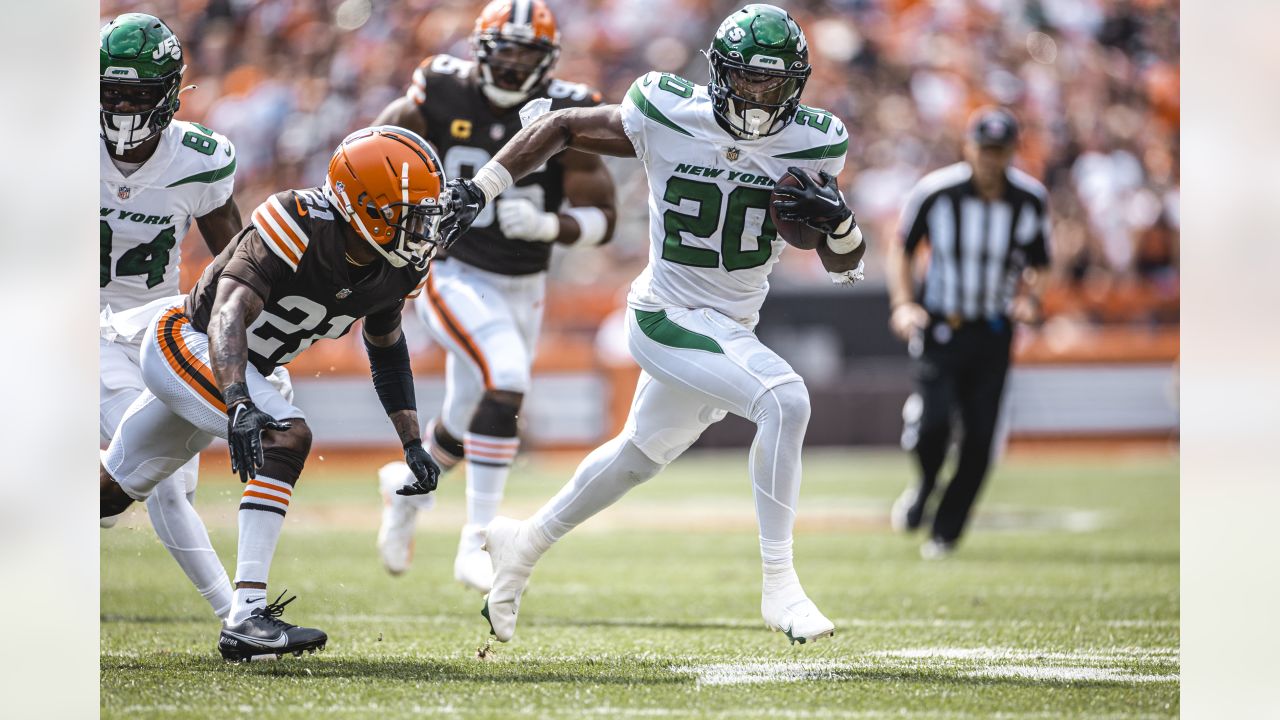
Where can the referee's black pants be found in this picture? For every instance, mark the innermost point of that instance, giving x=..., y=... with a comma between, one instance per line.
x=960, y=373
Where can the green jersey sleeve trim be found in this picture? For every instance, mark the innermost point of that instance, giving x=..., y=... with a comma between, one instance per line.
x=658, y=328
x=208, y=176
x=818, y=153
x=636, y=96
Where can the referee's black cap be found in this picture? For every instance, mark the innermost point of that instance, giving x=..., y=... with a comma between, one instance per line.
x=993, y=126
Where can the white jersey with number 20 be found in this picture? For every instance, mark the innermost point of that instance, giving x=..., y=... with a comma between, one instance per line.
x=711, y=241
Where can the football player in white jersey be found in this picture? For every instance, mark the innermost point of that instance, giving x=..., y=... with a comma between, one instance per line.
x=712, y=155
x=157, y=175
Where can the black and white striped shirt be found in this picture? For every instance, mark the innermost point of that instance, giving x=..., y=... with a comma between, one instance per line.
x=980, y=247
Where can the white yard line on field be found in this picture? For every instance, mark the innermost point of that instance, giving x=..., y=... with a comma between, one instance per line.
x=1104, y=655
x=1068, y=674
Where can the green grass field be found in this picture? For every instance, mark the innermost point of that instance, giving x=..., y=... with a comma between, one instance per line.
x=1063, y=602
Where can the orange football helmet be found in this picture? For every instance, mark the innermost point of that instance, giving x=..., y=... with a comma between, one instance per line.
x=387, y=183
x=516, y=43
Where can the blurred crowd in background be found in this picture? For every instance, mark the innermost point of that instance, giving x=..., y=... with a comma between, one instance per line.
x=1094, y=82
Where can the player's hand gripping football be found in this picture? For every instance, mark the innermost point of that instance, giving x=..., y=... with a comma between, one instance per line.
x=466, y=200
x=425, y=470
x=821, y=207
x=245, y=425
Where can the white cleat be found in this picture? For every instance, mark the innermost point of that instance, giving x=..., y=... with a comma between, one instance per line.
x=905, y=516
x=786, y=608
x=109, y=522
x=936, y=549
x=513, y=555
x=473, y=567
x=399, y=517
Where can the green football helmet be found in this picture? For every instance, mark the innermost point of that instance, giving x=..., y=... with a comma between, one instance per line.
x=140, y=78
x=759, y=64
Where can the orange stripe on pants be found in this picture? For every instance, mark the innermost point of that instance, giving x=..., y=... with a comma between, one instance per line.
x=457, y=331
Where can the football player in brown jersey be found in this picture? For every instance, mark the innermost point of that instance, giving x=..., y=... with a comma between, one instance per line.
x=484, y=303
x=312, y=263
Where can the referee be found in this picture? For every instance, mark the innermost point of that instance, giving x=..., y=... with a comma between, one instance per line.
x=987, y=227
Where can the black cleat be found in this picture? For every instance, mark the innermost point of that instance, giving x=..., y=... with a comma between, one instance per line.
x=264, y=636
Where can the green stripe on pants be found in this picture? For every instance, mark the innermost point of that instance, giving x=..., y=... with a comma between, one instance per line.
x=658, y=328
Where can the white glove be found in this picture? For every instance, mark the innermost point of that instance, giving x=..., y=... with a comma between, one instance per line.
x=848, y=277
x=522, y=220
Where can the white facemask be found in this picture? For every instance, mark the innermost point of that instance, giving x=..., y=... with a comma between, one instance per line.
x=756, y=121
x=132, y=131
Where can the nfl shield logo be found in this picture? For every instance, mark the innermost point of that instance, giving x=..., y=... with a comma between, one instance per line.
x=343, y=293
x=497, y=132
x=123, y=193
x=731, y=154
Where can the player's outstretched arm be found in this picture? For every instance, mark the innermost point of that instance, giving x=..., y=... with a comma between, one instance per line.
x=596, y=130
x=218, y=227
x=393, y=381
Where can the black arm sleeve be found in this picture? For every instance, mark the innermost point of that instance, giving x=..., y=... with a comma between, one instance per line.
x=392, y=375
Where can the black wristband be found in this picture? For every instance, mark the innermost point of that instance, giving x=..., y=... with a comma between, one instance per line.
x=236, y=394
x=392, y=375
x=410, y=443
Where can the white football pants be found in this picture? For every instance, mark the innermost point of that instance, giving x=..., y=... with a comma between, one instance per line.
x=698, y=365
x=489, y=325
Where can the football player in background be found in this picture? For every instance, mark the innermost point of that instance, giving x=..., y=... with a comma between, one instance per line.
x=711, y=154
x=484, y=303
x=312, y=263
x=156, y=175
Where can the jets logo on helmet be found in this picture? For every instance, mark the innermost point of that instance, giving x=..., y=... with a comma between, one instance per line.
x=169, y=46
x=516, y=44
x=759, y=65
x=140, y=77
x=386, y=182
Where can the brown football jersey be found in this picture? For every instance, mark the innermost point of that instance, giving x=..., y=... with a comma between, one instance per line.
x=294, y=256
x=467, y=131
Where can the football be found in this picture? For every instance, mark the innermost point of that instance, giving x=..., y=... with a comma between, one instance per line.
x=795, y=233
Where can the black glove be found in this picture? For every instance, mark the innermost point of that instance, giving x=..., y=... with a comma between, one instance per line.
x=245, y=423
x=821, y=207
x=465, y=203
x=424, y=469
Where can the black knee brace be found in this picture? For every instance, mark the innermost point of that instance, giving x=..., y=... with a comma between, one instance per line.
x=283, y=464
x=495, y=416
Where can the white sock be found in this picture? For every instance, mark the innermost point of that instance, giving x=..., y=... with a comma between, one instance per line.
x=182, y=532
x=262, y=509
x=488, y=465
x=601, y=479
x=781, y=416
x=776, y=554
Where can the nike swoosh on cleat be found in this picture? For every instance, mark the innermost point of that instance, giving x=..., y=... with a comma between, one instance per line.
x=279, y=641
x=251, y=601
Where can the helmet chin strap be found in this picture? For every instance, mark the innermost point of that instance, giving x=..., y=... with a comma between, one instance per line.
x=502, y=98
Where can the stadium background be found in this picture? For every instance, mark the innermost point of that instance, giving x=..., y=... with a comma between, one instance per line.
x=1095, y=83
